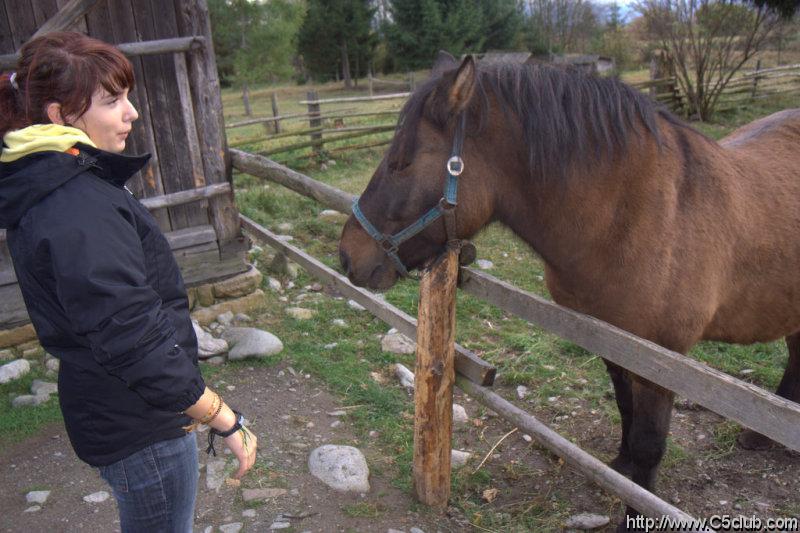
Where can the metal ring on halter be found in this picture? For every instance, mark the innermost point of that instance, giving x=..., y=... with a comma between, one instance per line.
x=455, y=160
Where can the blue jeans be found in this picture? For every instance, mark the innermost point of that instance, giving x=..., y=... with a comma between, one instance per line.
x=155, y=488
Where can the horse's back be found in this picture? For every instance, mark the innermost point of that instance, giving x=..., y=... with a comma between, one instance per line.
x=782, y=127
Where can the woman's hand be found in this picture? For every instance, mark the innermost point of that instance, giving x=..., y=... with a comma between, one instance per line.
x=243, y=444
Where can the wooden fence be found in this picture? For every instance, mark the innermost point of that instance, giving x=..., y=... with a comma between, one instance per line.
x=732, y=398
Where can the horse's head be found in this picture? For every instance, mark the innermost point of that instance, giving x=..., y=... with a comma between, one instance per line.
x=411, y=180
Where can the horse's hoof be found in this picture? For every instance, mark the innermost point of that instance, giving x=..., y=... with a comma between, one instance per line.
x=622, y=465
x=752, y=440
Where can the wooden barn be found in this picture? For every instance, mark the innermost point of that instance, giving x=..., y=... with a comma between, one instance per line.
x=187, y=187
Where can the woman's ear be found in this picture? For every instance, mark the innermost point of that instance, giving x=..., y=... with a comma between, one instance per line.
x=54, y=113
x=463, y=87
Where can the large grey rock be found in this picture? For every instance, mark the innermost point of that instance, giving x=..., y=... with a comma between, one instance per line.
x=14, y=370
x=234, y=527
x=207, y=345
x=251, y=342
x=394, y=342
x=300, y=313
x=37, y=496
x=586, y=521
x=340, y=467
x=52, y=365
x=6, y=355
x=46, y=388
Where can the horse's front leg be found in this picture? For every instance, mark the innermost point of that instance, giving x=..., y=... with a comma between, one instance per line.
x=789, y=388
x=647, y=439
x=622, y=463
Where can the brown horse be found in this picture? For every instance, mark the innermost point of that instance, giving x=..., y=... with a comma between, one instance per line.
x=641, y=221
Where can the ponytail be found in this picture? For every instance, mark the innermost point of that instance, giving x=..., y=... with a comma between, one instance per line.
x=11, y=114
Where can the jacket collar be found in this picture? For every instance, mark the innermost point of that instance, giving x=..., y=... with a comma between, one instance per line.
x=114, y=168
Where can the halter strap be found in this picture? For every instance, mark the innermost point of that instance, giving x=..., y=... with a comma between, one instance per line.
x=445, y=207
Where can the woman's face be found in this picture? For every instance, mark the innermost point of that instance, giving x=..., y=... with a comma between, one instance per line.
x=108, y=120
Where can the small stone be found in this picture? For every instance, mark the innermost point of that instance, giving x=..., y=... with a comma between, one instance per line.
x=97, y=497
x=234, y=527
x=723, y=502
x=300, y=313
x=522, y=392
x=249, y=513
x=339, y=323
x=459, y=458
x=587, y=521
x=405, y=375
x=249, y=495
x=215, y=474
x=285, y=227
x=352, y=304
x=241, y=317
x=315, y=287
x=460, y=417
x=398, y=343
x=280, y=525
x=14, y=370
x=415, y=530
x=331, y=215
x=33, y=509
x=26, y=400
x=6, y=355
x=527, y=438
x=337, y=413
x=274, y=284
x=484, y=264
x=225, y=318
x=331, y=346
x=746, y=371
x=336, y=423
x=217, y=360
x=284, y=238
x=52, y=365
x=205, y=295
x=43, y=387
x=37, y=496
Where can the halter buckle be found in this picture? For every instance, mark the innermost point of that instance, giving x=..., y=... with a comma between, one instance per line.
x=455, y=165
x=388, y=246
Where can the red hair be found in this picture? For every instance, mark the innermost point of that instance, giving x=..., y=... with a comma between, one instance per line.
x=62, y=67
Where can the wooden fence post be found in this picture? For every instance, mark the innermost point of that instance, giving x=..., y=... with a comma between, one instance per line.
x=369, y=81
x=276, y=123
x=314, y=120
x=434, y=377
x=755, y=80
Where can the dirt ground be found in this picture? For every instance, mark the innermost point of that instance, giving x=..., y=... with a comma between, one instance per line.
x=289, y=412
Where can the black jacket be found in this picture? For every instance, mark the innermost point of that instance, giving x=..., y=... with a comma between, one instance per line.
x=106, y=298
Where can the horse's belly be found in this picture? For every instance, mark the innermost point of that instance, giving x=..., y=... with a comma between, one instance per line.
x=760, y=317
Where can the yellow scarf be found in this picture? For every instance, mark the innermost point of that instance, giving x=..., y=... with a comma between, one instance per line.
x=41, y=138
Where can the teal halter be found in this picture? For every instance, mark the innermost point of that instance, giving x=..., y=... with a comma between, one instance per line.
x=445, y=207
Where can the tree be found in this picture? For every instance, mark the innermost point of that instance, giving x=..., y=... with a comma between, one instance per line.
x=707, y=41
x=337, y=37
x=255, y=41
x=562, y=25
x=420, y=28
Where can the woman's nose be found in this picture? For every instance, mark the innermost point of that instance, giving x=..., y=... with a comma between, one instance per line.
x=132, y=113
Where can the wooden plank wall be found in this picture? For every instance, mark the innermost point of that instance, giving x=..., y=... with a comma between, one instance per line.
x=180, y=124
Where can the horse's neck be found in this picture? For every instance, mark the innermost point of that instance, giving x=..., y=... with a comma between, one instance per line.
x=589, y=218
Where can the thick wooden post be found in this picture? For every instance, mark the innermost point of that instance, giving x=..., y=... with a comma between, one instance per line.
x=433, y=381
x=314, y=120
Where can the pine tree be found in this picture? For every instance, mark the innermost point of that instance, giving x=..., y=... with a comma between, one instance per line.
x=337, y=37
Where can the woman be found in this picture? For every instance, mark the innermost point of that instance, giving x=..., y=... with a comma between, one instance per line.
x=100, y=283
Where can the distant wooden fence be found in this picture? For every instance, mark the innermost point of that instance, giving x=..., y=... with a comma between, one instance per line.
x=743, y=402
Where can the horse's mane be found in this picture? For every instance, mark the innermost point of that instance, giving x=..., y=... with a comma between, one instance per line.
x=561, y=111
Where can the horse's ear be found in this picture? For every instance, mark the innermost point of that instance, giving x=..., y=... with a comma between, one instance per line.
x=463, y=87
x=444, y=62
